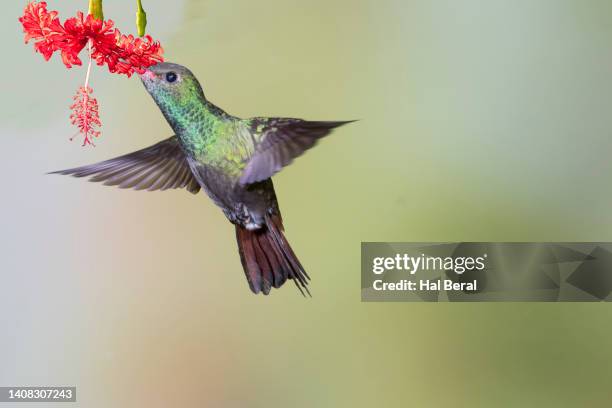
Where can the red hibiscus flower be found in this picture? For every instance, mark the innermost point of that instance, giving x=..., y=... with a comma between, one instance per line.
x=106, y=45
x=122, y=54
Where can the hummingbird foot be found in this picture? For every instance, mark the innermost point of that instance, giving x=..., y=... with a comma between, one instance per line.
x=243, y=217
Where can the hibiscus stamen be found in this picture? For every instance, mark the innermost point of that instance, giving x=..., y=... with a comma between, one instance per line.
x=85, y=114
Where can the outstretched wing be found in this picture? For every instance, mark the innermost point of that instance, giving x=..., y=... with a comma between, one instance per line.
x=158, y=167
x=278, y=141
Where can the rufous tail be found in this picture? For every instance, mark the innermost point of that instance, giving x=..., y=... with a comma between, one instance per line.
x=267, y=258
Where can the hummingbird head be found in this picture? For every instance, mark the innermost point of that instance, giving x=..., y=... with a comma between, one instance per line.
x=171, y=86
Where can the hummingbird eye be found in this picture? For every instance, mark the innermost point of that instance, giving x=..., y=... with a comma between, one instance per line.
x=171, y=77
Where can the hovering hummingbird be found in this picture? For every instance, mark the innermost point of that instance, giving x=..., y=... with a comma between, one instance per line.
x=231, y=159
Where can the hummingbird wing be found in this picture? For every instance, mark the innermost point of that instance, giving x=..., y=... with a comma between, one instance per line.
x=280, y=140
x=158, y=167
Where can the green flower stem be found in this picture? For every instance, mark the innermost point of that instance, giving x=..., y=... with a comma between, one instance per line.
x=141, y=18
x=95, y=9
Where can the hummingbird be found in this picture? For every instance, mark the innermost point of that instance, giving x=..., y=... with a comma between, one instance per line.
x=231, y=159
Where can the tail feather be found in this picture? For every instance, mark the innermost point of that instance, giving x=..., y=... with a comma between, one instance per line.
x=264, y=266
x=278, y=232
x=276, y=265
x=248, y=259
x=267, y=258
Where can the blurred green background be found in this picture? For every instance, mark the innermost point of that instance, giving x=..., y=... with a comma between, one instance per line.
x=482, y=120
